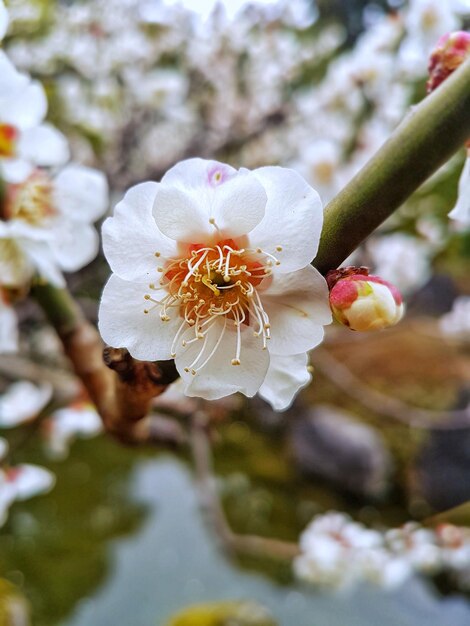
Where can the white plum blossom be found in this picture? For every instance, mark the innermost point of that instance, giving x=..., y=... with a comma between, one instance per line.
x=285, y=374
x=332, y=548
x=22, y=402
x=21, y=483
x=456, y=323
x=25, y=141
x=417, y=544
x=64, y=425
x=46, y=224
x=401, y=259
x=461, y=210
x=211, y=267
x=425, y=21
x=30, y=480
x=338, y=553
x=319, y=164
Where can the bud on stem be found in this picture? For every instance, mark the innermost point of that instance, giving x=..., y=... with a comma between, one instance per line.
x=363, y=302
x=451, y=51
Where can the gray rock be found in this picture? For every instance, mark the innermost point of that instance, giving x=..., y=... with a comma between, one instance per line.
x=329, y=443
x=442, y=469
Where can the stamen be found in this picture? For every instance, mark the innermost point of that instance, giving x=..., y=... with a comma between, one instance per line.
x=192, y=285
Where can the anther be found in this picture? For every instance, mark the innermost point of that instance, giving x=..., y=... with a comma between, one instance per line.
x=157, y=254
x=235, y=361
x=279, y=248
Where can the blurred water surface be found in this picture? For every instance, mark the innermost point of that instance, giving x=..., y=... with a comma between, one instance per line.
x=126, y=544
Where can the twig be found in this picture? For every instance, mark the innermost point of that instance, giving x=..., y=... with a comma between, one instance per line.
x=232, y=543
x=66, y=387
x=122, y=397
x=381, y=403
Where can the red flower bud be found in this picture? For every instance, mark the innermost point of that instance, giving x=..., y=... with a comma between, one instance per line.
x=451, y=50
x=364, y=302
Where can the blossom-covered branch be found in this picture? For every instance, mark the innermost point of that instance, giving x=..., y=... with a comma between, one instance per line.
x=431, y=133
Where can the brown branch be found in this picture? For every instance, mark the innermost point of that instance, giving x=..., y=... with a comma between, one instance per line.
x=232, y=543
x=122, y=390
x=381, y=403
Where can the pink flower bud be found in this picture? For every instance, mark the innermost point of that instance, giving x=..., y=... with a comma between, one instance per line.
x=364, y=302
x=451, y=50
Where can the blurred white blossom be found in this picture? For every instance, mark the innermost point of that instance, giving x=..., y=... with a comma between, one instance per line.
x=456, y=323
x=402, y=259
x=25, y=141
x=21, y=483
x=47, y=224
x=64, y=425
x=339, y=553
x=461, y=210
x=22, y=402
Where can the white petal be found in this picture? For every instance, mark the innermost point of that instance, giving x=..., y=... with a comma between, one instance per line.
x=41, y=256
x=11, y=81
x=75, y=244
x=218, y=377
x=182, y=216
x=15, y=170
x=298, y=307
x=293, y=219
x=123, y=323
x=3, y=20
x=285, y=377
x=70, y=422
x=131, y=237
x=44, y=145
x=31, y=480
x=198, y=199
x=8, y=329
x=461, y=211
x=81, y=193
x=22, y=402
x=198, y=174
x=24, y=108
x=239, y=205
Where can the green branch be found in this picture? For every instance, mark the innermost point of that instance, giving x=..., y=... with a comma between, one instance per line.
x=62, y=312
x=431, y=133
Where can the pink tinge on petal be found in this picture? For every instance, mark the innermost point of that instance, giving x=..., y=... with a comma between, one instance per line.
x=219, y=174
x=345, y=292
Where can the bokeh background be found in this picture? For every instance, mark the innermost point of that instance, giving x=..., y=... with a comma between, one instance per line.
x=137, y=85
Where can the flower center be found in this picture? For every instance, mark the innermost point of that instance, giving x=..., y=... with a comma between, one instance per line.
x=8, y=137
x=217, y=282
x=30, y=201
